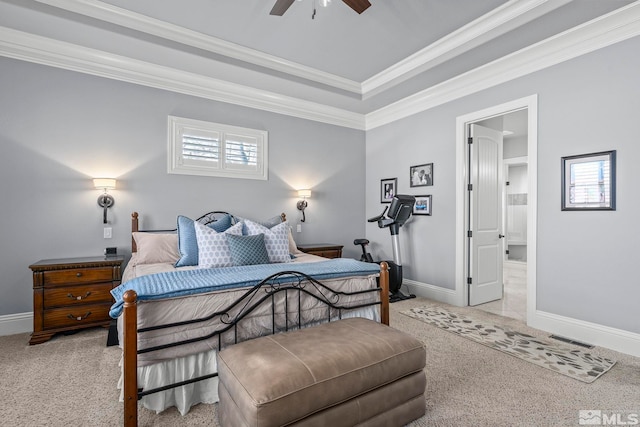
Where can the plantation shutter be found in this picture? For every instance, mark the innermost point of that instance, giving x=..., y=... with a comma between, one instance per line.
x=213, y=149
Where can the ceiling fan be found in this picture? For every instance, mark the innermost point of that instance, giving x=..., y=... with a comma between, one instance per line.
x=281, y=6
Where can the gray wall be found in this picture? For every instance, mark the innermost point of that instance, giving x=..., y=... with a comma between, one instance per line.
x=59, y=129
x=585, y=260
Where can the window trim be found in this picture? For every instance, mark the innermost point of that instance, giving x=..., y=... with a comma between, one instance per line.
x=175, y=165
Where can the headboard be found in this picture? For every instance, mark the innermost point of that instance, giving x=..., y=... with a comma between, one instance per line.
x=205, y=219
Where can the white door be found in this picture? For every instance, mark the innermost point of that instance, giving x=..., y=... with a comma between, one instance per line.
x=486, y=236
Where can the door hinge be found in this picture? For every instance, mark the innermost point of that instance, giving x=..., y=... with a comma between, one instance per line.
x=469, y=280
x=469, y=233
x=470, y=140
x=470, y=187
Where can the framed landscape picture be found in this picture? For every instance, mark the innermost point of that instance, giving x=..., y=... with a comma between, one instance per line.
x=388, y=188
x=422, y=205
x=421, y=175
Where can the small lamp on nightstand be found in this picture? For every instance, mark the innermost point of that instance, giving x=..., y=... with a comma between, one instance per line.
x=302, y=204
x=105, y=200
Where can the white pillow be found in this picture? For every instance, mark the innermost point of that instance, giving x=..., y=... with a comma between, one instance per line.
x=155, y=248
x=293, y=247
x=213, y=249
x=276, y=239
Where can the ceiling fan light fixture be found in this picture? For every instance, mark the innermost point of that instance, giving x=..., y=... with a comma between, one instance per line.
x=281, y=6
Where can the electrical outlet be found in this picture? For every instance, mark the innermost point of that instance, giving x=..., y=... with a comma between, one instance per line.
x=107, y=232
x=299, y=228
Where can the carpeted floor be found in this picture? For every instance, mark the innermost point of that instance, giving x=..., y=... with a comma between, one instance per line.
x=71, y=380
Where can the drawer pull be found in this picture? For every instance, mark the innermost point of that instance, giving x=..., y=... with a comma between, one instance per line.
x=79, y=318
x=78, y=274
x=79, y=297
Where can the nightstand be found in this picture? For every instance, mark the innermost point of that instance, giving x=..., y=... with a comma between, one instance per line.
x=327, y=250
x=72, y=293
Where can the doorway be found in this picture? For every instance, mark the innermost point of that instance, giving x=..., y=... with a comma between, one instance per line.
x=516, y=123
x=514, y=199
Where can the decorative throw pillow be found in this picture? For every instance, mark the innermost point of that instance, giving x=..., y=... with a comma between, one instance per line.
x=222, y=224
x=247, y=250
x=187, y=241
x=276, y=239
x=155, y=248
x=271, y=222
x=213, y=249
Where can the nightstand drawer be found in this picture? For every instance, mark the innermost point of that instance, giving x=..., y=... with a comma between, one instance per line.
x=326, y=250
x=77, y=275
x=328, y=254
x=75, y=295
x=76, y=316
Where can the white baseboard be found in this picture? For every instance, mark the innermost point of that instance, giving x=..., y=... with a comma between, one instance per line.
x=590, y=333
x=18, y=323
x=435, y=293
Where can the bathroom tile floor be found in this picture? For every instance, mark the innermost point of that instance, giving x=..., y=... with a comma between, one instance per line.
x=514, y=301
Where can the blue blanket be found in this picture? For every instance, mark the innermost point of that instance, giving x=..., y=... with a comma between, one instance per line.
x=190, y=282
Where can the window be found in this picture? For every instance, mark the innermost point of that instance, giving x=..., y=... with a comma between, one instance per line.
x=213, y=149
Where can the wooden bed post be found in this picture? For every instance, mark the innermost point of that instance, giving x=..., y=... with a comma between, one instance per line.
x=134, y=228
x=129, y=366
x=384, y=293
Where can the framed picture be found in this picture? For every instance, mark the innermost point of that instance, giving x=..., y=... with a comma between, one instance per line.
x=589, y=182
x=388, y=189
x=421, y=175
x=422, y=205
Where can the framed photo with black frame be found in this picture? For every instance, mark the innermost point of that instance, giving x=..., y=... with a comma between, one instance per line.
x=388, y=188
x=589, y=182
x=421, y=175
x=422, y=205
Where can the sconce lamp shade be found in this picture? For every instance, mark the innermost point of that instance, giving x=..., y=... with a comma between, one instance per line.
x=104, y=183
x=304, y=193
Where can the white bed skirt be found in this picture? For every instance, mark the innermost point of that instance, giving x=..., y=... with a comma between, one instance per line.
x=184, y=368
x=173, y=371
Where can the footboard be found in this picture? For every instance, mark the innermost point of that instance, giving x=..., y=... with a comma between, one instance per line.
x=287, y=288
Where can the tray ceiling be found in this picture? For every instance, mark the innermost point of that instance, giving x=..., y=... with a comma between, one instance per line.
x=338, y=60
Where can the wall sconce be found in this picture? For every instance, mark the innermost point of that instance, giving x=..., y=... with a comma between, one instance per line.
x=302, y=204
x=105, y=200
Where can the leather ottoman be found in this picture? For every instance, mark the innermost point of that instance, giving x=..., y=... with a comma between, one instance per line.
x=344, y=373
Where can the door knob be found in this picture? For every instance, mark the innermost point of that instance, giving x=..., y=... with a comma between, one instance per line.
x=500, y=236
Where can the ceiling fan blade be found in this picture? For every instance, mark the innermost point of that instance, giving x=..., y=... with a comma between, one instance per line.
x=281, y=7
x=358, y=5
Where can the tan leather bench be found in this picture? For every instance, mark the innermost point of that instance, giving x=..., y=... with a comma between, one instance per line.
x=344, y=373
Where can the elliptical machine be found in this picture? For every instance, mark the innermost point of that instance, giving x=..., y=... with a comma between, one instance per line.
x=398, y=213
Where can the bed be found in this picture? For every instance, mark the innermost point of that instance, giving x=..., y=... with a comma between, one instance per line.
x=173, y=320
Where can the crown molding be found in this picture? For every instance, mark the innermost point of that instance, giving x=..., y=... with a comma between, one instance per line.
x=614, y=27
x=135, y=21
x=489, y=26
x=606, y=30
x=41, y=50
